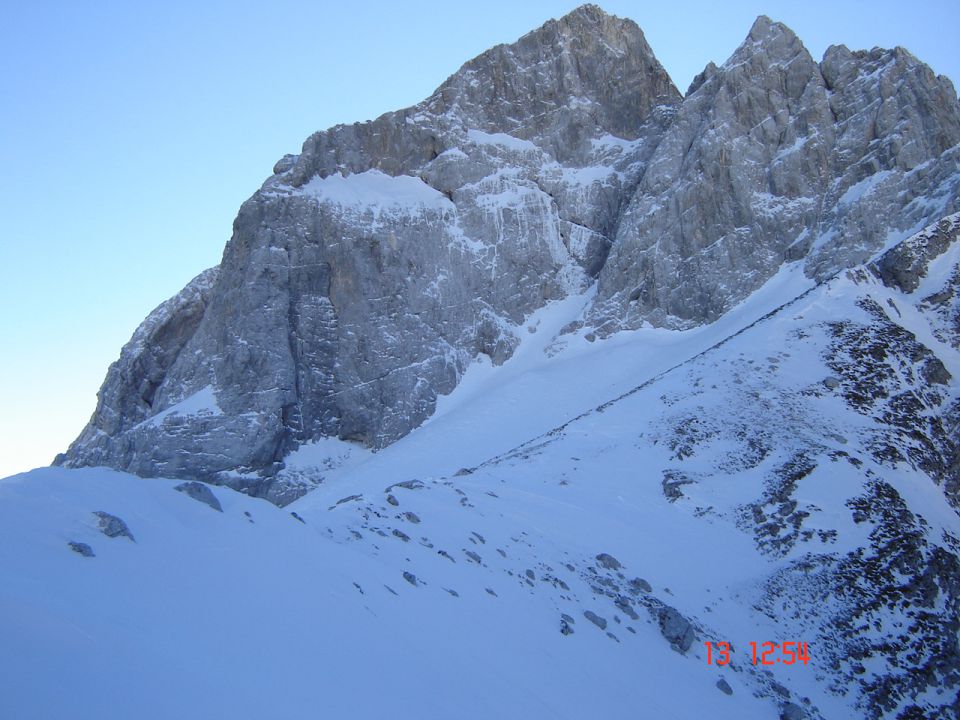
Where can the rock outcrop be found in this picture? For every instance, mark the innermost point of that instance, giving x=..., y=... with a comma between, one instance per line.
x=200, y=493
x=370, y=270
x=112, y=526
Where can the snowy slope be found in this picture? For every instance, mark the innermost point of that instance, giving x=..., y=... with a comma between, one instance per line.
x=779, y=475
x=214, y=615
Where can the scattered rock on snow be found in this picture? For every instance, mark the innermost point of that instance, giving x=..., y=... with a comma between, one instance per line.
x=792, y=711
x=672, y=481
x=112, y=526
x=200, y=492
x=935, y=373
x=595, y=619
x=402, y=535
x=82, y=548
x=609, y=562
x=625, y=606
x=676, y=629
x=407, y=485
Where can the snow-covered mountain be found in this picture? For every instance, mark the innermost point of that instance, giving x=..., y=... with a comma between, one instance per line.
x=559, y=540
x=554, y=383
x=370, y=271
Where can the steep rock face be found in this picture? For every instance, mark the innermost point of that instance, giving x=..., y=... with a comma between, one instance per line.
x=904, y=265
x=555, y=87
x=772, y=158
x=896, y=165
x=372, y=268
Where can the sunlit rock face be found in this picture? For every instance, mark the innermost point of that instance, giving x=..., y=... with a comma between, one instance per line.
x=369, y=271
x=775, y=158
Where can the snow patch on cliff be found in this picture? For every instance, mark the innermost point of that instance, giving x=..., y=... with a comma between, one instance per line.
x=376, y=189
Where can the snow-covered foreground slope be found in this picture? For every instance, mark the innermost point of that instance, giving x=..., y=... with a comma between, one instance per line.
x=219, y=615
x=558, y=541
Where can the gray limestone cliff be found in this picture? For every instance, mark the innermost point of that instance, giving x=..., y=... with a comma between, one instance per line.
x=371, y=269
x=775, y=158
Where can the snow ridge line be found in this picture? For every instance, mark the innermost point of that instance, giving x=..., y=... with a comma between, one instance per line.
x=546, y=438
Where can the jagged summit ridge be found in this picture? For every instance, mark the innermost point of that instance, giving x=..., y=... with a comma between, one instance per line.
x=820, y=160
x=570, y=80
x=372, y=269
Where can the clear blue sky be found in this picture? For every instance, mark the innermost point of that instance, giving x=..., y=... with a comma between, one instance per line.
x=130, y=133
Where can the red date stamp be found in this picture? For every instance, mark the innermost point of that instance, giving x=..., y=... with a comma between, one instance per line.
x=768, y=653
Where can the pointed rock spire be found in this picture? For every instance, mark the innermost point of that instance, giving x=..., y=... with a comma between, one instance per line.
x=769, y=39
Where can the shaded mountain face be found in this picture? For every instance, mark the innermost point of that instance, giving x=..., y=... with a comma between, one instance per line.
x=370, y=271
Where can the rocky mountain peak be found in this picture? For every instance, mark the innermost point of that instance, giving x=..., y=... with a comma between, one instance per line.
x=913, y=98
x=765, y=30
x=483, y=244
x=373, y=269
x=586, y=66
x=771, y=41
x=823, y=162
x=586, y=75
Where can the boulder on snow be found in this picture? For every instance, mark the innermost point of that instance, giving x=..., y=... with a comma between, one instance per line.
x=608, y=562
x=112, y=526
x=82, y=549
x=200, y=492
x=792, y=711
x=626, y=607
x=676, y=629
x=595, y=619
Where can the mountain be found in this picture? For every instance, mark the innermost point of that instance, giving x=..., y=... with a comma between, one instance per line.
x=549, y=381
x=370, y=271
x=786, y=474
